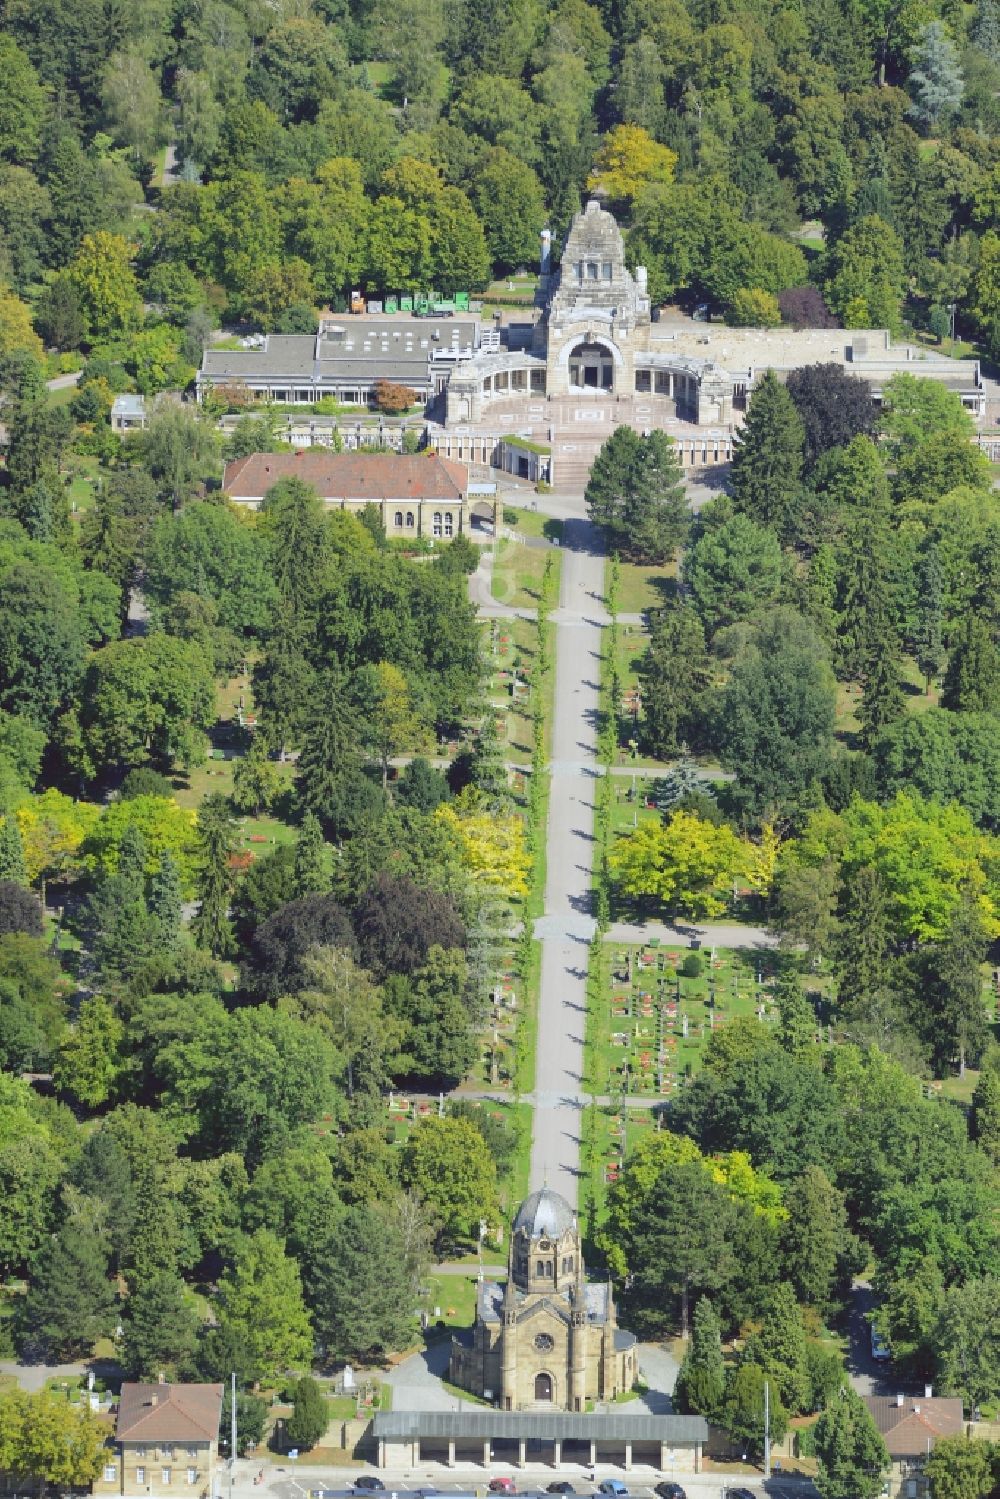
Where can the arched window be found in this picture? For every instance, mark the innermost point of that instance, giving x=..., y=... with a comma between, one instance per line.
x=548, y=1268
x=449, y=524
x=540, y=1268
x=436, y=527
x=409, y=520
x=399, y=518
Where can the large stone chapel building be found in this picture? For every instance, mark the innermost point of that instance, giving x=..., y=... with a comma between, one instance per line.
x=595, y=336
x=548, y=1339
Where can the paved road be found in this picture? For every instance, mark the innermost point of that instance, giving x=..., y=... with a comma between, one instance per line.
x=63, y=382
x=714, y=934
x=567, y=923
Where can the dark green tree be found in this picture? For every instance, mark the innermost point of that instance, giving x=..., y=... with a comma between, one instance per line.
x=311, y=876
x=656, y=518
x=701, y=1381
x=953, y=988
x=767, y=458
x=359, y=1287
x=881, y=693
x=310, y=1416
x=610, y=479
x=984, y=1123
x=733, y=569
x=796, y=1016
x=815, y=1241
x=166, y=901
x=161, y=1329
x=217, y=836
x=488, y=769
x=853, y=1459
x=12, y=865
x=779, y=1348
x=972, y=680
x=775, y=717
x=676, y=676
x=330, y=749
x=251, y=1410
x=70, y=1300
x=861, y=960
x=682, y=1245
x=743, y=1409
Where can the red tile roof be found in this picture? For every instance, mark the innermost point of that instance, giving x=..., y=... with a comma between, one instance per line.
x=907, y=1428
x=169, y=1412
x=350, y=476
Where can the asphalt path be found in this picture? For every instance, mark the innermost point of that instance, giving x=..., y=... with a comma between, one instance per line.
x=567, y=923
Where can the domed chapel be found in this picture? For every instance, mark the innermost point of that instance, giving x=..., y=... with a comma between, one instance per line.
x=547, y=1339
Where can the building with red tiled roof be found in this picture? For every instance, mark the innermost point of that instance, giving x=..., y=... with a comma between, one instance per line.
x=166, y=1439
x=416, y=495
x=910, y=1425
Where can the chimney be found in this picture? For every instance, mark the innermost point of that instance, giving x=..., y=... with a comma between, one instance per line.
x=916, y=1410
x=546, y=255
x=899, y=1400
x=928, y=1391
x=154, y=1399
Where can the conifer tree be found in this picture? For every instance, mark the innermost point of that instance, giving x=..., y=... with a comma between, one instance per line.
x=881, y=694
x=796, y=1016
x=12, y=866
x=160, y=1326
x=212, y=928
x=972, y=681
x=132, y=855
x=985, y=1121
x=70, y=1301
x=701, y=1382
x=768, y=457
x=166, y=901
x=311, y=873
x=488, y=770
x=852, y=1456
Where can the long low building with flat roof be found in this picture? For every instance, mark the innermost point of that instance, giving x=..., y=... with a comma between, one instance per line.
x=345, y=359
x=667, y=1443
x=417, y=495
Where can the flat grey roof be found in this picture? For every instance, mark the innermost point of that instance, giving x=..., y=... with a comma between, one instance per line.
x=129, y=405
x=405, y=1426
x=286, y=354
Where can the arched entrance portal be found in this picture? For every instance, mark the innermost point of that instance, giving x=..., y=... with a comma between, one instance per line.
x=591, y=367
x=543, y=1387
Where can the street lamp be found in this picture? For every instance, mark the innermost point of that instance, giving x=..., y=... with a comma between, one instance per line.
x=951, y=308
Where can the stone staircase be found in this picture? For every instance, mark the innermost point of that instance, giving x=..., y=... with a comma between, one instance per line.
x=573, y=452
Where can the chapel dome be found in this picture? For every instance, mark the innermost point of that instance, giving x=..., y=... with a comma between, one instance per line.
x=545, y=1214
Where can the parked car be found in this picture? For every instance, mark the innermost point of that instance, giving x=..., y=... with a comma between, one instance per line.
x=670, y=1491
x=560, y=1487
x=880, y=1348
x=613, y=1486
x=503, y=1485
x=739, y=1494
x=369, y=1484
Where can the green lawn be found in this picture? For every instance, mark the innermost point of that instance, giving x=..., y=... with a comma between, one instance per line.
x=518, y=570
x=642, y=587
x=533, y=523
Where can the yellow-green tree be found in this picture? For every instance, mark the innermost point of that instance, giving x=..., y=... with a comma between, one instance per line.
x=53, y=829
x=492, y=848
x=48, y=1439
x=630, y=160
x=686, y=862
x=105, y=282
x=16, y=333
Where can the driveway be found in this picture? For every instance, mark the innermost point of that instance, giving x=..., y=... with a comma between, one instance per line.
x=417, y=1381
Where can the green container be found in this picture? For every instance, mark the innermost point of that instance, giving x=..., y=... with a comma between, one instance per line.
x=406, y=304
x=391, y=305
x=462, y=301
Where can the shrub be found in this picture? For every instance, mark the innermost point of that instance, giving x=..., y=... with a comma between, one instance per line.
x=693, y=966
